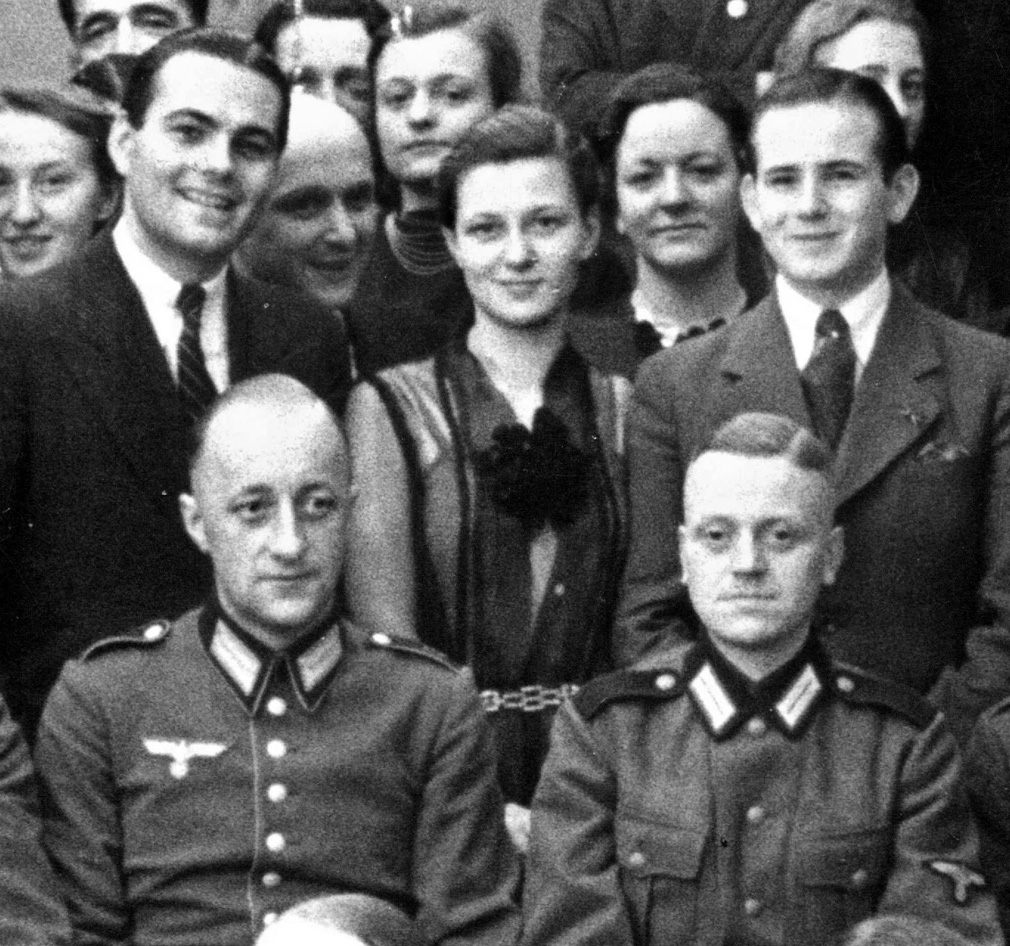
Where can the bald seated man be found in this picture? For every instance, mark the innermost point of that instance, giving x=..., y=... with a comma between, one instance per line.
x=202, y=776
x=320, y=220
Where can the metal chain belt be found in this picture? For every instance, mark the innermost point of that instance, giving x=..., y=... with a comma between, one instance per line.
x=529, y=699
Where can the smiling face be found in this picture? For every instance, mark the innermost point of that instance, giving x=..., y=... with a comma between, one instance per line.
x=328, y=58
x=819, y=198
x=51, y=197
x=890, y=54
x=125, y=26
x=429, y=91
x=756, y=547
x=519, y=239
x=270, y=499
x=677, y=186
x=201, y=164
x=320, y=220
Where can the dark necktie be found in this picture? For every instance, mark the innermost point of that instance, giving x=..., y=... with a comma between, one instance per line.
x=829, y=379
x=196, y=389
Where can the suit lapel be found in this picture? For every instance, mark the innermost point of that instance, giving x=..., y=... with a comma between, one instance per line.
x=759, y=368
x=898, y=397
x=113, y=354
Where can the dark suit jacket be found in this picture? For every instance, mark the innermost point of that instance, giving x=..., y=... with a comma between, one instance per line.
x=93, y=454
x=924, y=488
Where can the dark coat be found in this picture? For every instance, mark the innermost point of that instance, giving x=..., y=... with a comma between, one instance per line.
x=923, y=476
x=94, y=449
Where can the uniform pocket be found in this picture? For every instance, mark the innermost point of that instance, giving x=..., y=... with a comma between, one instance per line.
x=660, y=867
x=841, y=877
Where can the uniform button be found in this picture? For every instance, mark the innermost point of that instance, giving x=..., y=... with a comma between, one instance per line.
x=846, y=684
x=276, y=706
x=559, y=589
x=269, y=918
x=277, y=792
x=276, y=749
x=860, y=879
x=737, y=8
x=383, y=640
x=756, y=814
x=752, y=907
x=757, y=726
x=276, y=843
x=271, y=879
x=666, y=681
x=636, y=859
x=154, y=632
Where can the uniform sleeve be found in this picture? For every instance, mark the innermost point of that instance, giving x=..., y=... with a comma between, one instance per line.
x=984, y=677
x=577, y=71
x=466, y=872
x=935, y=871
x=572, y=894
x=81, y=828
x=379, y=573
x=31, y=911
x=653, y=596
x=988, y=770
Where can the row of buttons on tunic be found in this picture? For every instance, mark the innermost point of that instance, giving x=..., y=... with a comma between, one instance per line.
x=276, y=793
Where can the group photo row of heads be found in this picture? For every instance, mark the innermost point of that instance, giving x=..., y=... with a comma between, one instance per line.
x=482, y=482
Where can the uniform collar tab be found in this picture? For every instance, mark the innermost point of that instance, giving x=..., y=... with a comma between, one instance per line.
x=252, y=670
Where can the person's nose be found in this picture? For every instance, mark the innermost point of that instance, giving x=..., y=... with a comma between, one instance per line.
x=749, y=556
x=128, y=38
x=519, y=251
x=340, y=230
x=811, y=196
x=421, y=111
x=24, y=206
x=894, y=92
x=216, y=153
x=675, y=192
x=287, y=539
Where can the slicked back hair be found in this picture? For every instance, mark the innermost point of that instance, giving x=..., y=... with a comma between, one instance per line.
x=825, y=20
x=372, y=13
x=68, y=12
x=514, y=133
x=820, y=86
x=218, y=44
x=759, y=434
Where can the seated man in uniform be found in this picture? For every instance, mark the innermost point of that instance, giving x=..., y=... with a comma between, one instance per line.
x=746, y=788
x=198, y=778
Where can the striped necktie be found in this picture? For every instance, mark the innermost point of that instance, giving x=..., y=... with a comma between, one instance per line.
x=196, y=389
x=829, y=379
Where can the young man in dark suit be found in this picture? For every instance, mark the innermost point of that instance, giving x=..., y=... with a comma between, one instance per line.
x=916, y=406
x=107, y=360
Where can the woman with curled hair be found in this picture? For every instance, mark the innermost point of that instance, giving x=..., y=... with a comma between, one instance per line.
x=490, y=519
x=889, y=41
x=673, y=145
x=435, y=70
x=57, y=183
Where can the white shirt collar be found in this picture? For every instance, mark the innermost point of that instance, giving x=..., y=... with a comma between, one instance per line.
x=159, y=293
x=864, y=313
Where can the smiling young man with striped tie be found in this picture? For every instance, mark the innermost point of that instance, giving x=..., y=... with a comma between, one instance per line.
x=107, y=360
x=916, y=406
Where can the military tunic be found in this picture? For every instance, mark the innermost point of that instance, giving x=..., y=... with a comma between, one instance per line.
x=197, y=785
x=676, y=806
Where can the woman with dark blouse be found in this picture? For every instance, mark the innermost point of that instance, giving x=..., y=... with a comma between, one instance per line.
x=490, y=518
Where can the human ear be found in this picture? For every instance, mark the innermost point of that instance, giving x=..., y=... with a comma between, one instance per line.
x=192, y=519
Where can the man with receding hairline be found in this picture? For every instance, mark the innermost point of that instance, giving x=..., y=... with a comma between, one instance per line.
x=202, y=776
x=748, y=789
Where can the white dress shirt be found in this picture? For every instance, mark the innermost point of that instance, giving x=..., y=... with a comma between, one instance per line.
x=159, y=292
x=863, y=313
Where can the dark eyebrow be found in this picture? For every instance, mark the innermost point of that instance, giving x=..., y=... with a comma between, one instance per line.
x=311, y=193
x=193, y=114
